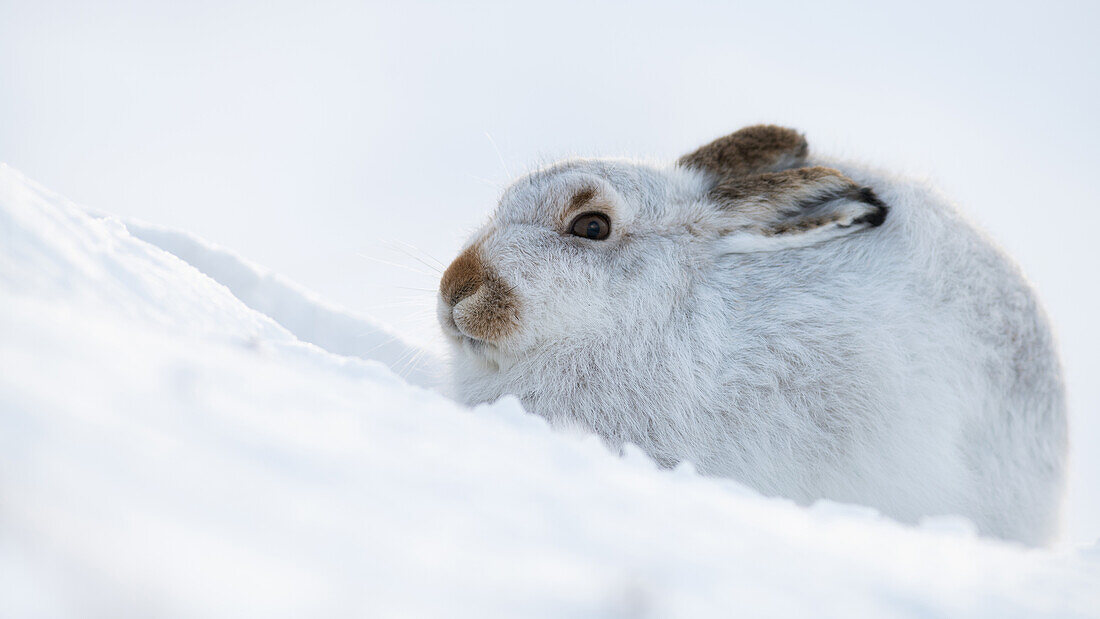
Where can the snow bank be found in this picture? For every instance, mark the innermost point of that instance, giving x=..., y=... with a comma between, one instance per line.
x=173, y=445
x=310, y=319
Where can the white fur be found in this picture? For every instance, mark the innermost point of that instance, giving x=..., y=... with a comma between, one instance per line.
x=907, y=367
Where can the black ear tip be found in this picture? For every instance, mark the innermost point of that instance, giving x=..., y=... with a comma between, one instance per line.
x=878, y=215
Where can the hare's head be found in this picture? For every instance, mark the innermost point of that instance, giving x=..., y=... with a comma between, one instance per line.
x=586, y=253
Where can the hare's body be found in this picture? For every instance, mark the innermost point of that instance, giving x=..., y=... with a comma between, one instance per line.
x=906, y=366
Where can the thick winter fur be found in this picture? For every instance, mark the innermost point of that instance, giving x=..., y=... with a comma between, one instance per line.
x=813, y=329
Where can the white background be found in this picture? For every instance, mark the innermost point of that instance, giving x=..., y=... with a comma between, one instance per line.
x=318, y=139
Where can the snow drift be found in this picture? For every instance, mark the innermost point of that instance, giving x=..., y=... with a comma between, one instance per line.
x=185, y=434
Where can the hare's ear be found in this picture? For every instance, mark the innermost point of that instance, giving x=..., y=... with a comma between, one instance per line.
x=793, y=208
x=752, y=150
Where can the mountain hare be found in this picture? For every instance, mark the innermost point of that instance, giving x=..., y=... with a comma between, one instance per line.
x=809, y=328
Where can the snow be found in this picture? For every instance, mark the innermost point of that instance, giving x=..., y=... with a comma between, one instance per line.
x=307, y=317
x=186, y=434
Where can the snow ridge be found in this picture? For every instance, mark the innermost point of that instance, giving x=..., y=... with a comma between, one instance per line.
x=309, y=318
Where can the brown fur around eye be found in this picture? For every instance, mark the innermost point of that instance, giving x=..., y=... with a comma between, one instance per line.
x=580, y=199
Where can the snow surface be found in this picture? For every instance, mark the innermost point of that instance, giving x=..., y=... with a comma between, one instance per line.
x=184, y=434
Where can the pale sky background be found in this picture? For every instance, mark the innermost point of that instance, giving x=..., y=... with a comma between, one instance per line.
x=319, y=139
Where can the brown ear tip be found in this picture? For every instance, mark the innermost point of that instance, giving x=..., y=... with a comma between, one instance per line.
x=750, y=150
x=770, y=129
x=777, y=133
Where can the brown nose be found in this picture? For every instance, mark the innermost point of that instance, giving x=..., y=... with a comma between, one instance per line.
x=462, y=279
x=494, y=313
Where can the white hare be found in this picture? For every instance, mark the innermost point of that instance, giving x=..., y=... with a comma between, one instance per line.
x=814, y=332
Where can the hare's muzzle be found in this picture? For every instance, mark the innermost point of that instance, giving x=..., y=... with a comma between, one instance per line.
x=475, y=300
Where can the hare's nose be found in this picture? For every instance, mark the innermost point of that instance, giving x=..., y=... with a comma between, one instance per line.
x=463, y=278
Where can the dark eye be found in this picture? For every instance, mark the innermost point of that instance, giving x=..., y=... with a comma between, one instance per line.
x=593, y=226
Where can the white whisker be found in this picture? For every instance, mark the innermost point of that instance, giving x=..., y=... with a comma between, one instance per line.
x=398, y=265
x=499, y=155
x=421, y=251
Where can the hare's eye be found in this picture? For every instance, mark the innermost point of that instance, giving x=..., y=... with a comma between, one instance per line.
x=593, y=226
